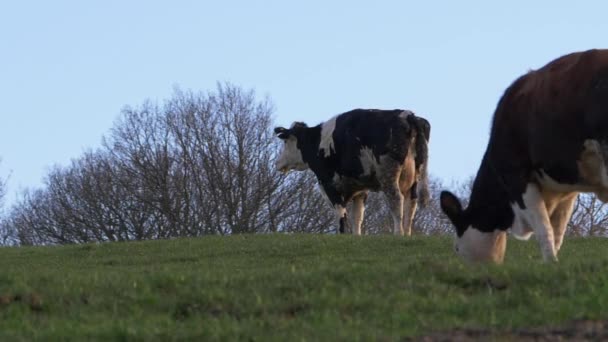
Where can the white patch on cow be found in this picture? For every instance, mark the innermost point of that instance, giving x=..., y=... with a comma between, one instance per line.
x=327, y=141
x=368, y=161
x=520, y=229
x=291, y=157
x=477, y=246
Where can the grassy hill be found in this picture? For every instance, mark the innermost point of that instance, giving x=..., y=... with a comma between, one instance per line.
x=278, y=287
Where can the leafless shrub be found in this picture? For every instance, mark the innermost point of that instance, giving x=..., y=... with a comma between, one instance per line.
x=201, y=163
x=589, y=218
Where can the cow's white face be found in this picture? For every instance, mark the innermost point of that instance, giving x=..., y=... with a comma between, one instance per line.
x=470, y=243
x=477, y=246
x=291, y=156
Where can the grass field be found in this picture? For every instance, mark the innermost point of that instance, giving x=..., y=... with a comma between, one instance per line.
x=284, y=287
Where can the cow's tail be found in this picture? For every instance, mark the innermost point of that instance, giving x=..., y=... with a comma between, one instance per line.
x=423, y=132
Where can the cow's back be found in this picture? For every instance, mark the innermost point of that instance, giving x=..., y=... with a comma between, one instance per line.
x=384, y=132
x=544, y=117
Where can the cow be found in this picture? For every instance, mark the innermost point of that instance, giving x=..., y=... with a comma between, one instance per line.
x=548, y=143
x=360, y=151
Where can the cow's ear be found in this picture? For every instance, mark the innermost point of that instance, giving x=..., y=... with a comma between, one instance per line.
x=281, y=132
x=450, y=204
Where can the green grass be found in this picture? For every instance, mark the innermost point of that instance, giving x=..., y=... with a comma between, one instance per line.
x=283, y=287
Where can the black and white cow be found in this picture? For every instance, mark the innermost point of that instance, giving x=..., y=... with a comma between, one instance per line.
x=548, y=142
x=359, y=151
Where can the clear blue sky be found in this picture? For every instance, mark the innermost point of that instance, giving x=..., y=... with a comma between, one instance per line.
x=68, y=67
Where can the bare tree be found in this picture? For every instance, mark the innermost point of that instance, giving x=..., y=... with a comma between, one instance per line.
x=589, y=217
x=2, y=190
x=31, y=219
x=7, y=233
x=201, y=163
x=301, y=207
x=145, y=167
x=225, y=144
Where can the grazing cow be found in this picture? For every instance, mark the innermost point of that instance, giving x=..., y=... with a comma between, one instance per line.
x=359, y=151
x=548, y=142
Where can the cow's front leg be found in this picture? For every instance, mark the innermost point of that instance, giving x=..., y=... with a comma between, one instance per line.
x=536, y=215
x=336, y=200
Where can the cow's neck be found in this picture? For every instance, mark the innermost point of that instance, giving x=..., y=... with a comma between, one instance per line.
x=308, y=144
x=319, y=164
x=495, y=188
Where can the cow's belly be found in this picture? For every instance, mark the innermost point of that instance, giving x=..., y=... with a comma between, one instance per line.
x=352, y=185
x=592, y=173
x=548, y=182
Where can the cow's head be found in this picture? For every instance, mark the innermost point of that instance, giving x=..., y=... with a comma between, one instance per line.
x=291, y=155
x=471, y=243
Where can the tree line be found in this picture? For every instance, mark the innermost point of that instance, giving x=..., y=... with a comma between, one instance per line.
x=200, y=163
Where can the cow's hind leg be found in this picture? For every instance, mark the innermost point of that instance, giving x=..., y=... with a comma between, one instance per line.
x=560, y=217
x=358, y=212
x=409, y=188
x=389, y=180
x=409, y=211
x=394, y=199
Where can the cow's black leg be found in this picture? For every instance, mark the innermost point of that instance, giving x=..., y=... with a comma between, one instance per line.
x=342, y=219
x=342, y=224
